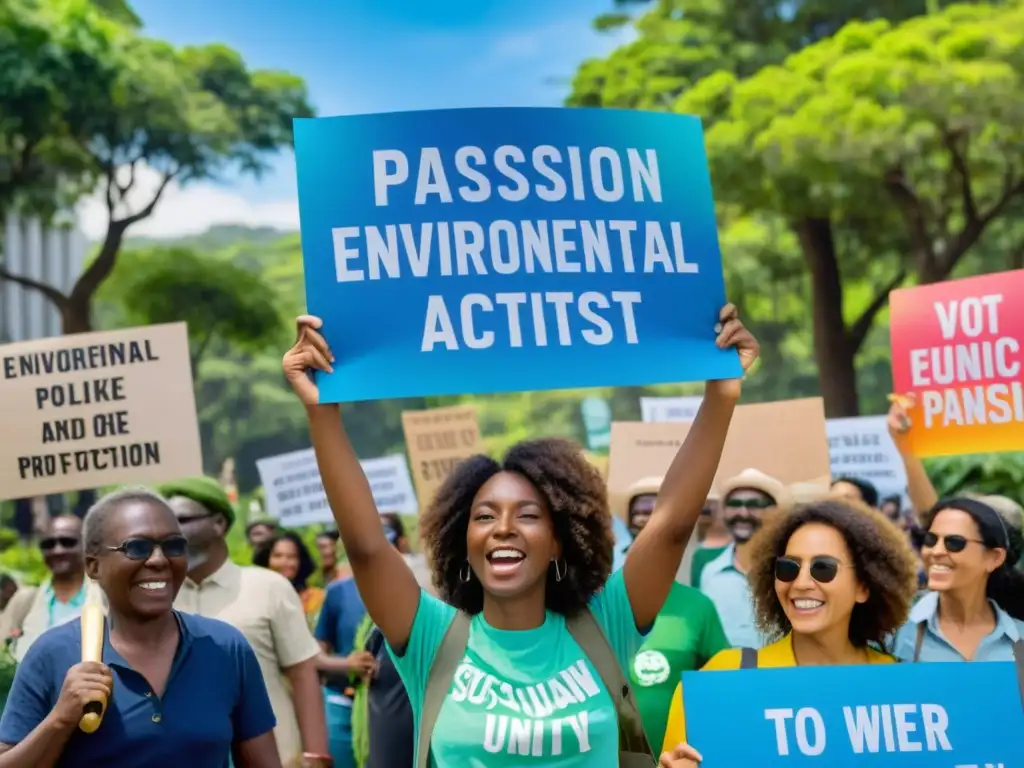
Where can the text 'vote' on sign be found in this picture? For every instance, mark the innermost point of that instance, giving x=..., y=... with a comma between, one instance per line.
x=490, y=250
x=957, y=346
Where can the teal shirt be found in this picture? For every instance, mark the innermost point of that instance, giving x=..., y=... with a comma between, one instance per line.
x=61, y=613
x=520, y=696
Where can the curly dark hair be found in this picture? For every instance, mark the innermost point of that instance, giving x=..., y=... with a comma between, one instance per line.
x=307, y=566
x=577, y=501
x=882, y=559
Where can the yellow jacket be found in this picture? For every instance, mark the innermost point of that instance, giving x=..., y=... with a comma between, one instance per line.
x=778, y=654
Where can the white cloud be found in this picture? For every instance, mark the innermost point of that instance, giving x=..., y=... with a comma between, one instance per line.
x=188, y=210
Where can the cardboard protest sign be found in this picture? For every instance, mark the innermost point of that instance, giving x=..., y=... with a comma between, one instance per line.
x=785, y=439
x=496, y=250
x=663, y=409
x=97, y=409
x=861, y=447
x=437, y=440
x=866, y=716
x=294, y=492
x=957, y=347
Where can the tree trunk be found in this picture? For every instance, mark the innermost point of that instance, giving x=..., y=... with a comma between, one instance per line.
x=837, y=375
x=76, y=315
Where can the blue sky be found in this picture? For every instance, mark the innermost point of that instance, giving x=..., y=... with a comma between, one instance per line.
x=362, y=56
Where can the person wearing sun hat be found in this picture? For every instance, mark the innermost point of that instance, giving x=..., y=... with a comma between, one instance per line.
x=746, y=499
x=263, y=605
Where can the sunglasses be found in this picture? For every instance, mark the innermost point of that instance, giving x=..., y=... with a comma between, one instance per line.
x=749, y=503
x=953, y=542
x=142, y=549
x=823, y=569
x=64, y=542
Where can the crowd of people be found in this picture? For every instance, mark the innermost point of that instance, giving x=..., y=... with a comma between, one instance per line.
x=524, y=634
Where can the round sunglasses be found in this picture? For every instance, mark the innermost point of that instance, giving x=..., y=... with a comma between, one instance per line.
x=822, y=568
x=142, y=549
x=953, y=542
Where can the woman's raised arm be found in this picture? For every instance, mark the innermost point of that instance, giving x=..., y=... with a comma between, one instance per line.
x=919, y=486
x=386, y=584
x=654, y=558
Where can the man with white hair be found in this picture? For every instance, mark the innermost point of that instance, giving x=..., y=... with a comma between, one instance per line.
x=746, y=498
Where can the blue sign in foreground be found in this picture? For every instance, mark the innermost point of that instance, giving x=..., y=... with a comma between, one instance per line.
x=492, y=250
x=948, y=715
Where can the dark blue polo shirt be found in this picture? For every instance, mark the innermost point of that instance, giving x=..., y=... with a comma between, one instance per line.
x=215, y=696
x=340, y=616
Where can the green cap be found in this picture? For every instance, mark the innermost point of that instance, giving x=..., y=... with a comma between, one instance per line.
x=202, y=490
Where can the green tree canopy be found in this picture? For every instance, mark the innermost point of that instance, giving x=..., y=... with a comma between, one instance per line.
x=43, y=65
x=679, y=42
x=188, y=114
x=905, y=142
x=221, y=301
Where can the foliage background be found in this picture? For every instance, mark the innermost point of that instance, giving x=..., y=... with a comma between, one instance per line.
x=854, y=147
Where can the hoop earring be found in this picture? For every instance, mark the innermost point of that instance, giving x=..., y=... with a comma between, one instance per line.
x=560, y=574
x=465, y=573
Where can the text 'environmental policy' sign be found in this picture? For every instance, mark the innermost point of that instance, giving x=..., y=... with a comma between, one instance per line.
x=96, y=409
x=872, y=716
x=492, y=250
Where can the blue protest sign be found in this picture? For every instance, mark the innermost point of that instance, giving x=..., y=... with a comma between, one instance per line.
x=493, y=250
x=950, y=715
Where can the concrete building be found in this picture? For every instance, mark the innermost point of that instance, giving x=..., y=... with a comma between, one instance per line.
x=50, y=255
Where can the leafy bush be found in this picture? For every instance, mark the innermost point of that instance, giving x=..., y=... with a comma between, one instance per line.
x=991, y=473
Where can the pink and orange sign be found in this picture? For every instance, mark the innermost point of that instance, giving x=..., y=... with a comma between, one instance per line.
x=957, y=347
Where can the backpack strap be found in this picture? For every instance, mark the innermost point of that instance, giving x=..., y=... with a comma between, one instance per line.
x=595, y=646
x=1018, y=659
x=748, y=658
x=442, y=672
x=919, y=640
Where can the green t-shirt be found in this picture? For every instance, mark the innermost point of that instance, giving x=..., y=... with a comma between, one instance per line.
x=702, y=557
x=685, y=636
x=527, y=694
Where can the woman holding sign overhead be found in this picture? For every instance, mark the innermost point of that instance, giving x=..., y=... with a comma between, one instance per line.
x=828, y=580
x=532, y=638
x=177, y=686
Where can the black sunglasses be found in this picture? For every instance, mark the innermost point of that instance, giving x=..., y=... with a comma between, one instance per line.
x=823, y=569
x=749, y=503
x=954, y=542
x=64, y=542
x=142, y=549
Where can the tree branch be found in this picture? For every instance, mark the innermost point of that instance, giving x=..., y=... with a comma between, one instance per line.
x=959, y=162
x=146, y=212
x=51, y=293
x=913, y=214
x=972, y=232
x=200, y=351
x=858, y=332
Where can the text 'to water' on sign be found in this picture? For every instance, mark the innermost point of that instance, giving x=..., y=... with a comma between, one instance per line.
x=867, y=716
x=97, y=409
x=489, y=250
